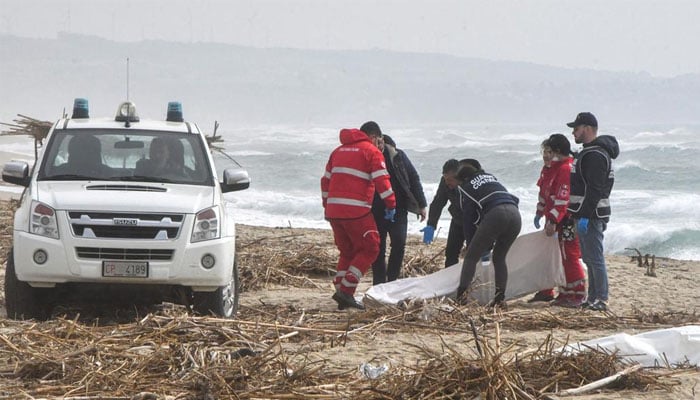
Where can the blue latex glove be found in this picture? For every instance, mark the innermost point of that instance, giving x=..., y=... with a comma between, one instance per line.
x=582, y=226
x=537, y=221
x=389, y=214
x=428, y=234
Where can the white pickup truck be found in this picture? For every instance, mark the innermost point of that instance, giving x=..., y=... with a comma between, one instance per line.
x=123, y=204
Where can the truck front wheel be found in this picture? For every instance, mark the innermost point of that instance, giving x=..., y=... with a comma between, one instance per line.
x=21, y=300
x=223, y=302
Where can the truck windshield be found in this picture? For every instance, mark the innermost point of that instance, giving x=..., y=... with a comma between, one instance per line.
x=145, y=156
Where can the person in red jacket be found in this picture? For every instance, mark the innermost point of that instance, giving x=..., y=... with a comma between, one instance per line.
x=555, y=185
x=354, y=171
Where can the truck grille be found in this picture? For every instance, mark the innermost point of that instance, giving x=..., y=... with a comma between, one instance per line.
x=87, y=224
x=129, y=188
x=102, y=253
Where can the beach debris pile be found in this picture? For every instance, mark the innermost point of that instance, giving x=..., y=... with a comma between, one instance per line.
x=423, y=260
x=650, y=267
x=24, y=125
x=284, y=256
x=284, y=262
x=493, y=374
x=278, y=350
x=173, y=355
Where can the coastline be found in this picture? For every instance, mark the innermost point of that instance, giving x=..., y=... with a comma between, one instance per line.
x=669, y=235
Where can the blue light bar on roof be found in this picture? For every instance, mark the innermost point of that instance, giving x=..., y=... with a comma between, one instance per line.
x=174, y=112
x=80, y=108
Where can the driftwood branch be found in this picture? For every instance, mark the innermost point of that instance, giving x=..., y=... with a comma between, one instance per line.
x=651, y=268
x=33, y=127
x=211, y=140
x=638, y=257
x=599, y=383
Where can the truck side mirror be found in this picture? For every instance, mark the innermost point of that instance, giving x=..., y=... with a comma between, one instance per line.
x=16, y=172
x=235, y=179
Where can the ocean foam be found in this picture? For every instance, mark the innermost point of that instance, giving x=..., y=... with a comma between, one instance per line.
x=655, y=200
x=630, y=164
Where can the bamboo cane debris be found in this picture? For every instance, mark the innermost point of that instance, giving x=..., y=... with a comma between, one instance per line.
x=264, y=354
x=183, y=354
x=24, y=125
x=600, y=382
x=494, y=375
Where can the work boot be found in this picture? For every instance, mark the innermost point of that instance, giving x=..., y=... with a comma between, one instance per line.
x=599, y=305
x=346, y=300
x=540, y=296
x=586, y=305
x=567, y=302
x=463, y=298
x=498, y=303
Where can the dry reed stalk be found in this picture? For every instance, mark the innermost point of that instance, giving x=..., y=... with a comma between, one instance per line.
x=279, y=262
x=180, y=354
x=24, y=125
x=169, y=353
x=32, y=127
x=670, y=318
x=493, y=375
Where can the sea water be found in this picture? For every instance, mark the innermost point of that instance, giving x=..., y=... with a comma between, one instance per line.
x=655, y=200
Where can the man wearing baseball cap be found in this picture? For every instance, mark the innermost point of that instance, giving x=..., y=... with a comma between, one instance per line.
x=592, y=179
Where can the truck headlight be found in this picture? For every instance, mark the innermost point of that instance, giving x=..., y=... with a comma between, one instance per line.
x=43, y=220
x=206, y=225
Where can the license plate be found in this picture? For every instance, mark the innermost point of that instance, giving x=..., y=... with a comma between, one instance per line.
x=125, y=269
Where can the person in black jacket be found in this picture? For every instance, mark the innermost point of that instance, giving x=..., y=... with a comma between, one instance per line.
x=592, y=179
x=447, y=191
x=491, y=219
x=409, y=198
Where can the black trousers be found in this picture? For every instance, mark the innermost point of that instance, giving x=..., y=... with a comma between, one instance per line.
x=396, y=231
x=455, y=242
x=499, y=227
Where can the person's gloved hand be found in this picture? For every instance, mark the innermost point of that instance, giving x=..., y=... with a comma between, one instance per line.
x=537, y=221
x=428, y=234
x=582, y=226
x=389, y=214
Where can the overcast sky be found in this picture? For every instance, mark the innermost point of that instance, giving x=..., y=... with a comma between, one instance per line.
x=659, y=37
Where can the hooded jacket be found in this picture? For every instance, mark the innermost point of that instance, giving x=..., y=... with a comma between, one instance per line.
x=555, y=190
x=405, y=182
x=353, y=171
x=592, y=179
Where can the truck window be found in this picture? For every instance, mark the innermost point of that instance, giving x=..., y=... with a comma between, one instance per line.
x=148, y=156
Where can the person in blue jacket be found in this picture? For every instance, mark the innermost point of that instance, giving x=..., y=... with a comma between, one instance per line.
x=409, y=198
x=491, y=220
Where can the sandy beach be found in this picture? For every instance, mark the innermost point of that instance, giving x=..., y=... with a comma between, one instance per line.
x=286, y=288
x=634, y=297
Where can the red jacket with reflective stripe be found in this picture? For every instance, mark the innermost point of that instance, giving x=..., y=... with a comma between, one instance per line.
x=555, y=187
x=353, y=171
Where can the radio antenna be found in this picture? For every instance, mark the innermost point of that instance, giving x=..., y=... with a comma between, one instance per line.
x=127, y=79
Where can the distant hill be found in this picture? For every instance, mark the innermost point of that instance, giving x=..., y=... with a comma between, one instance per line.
x=242, y=85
